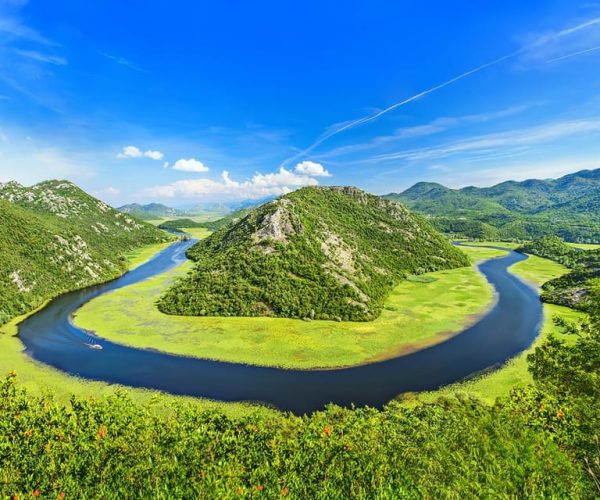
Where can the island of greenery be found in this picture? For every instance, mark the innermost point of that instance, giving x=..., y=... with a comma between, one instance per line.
x=316, y=253
x=54, y=237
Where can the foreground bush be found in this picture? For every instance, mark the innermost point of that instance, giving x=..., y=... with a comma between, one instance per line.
x=113, y=447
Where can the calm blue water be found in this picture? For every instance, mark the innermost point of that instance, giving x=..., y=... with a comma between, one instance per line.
x=509, y=328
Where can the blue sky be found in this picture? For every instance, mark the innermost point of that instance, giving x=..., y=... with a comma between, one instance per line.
x=183, y=101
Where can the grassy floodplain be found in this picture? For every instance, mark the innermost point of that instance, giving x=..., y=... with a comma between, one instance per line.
x=514, y=373
x=42, y=380
x=418, y=313
x=584, y=246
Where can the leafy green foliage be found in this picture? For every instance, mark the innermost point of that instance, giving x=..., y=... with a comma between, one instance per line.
x=55, y=238
x=180, y=224
x=567, y=390
x=114, y=448
x=318, y=253
x=518, y=211
x=574, y=289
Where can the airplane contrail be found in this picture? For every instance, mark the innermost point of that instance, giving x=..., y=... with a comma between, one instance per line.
x=374, y=116
x=592, y=49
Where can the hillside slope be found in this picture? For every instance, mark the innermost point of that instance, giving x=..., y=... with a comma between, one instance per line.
x=54, y=237
x=324, y=253
x=568, y=207
x=151, y=211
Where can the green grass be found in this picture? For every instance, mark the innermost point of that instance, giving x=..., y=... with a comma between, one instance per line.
x=506, y=244
x=205, y=217
x=514, y=373
x=416, y=314
x=143, y=254
x=197, y=232
x=584, y=246
x=41, y=380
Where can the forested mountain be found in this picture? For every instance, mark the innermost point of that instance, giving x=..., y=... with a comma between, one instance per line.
x=579, y=287
x=212, y=225
x=151, y=211
x=319, y=252
x=568, y=207
x=54, y=237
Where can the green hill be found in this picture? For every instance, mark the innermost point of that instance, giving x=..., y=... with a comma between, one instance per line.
x=212, y=225
x=54, y=237
x=319, y=252
x=151, y=211
x=568, y=207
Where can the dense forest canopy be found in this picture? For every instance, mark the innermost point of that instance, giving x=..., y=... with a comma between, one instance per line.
x=316, y=253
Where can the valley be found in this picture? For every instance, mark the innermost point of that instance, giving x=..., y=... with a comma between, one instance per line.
x=454, y=319
x=299, y=250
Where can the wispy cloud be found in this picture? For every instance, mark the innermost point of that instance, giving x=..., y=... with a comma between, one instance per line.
x=438, y=125
x=536, y=45
x=123, y=62
x=39, y=56
x=493, y=142
x=380, y=113
x=14, y=29
x=554, y=46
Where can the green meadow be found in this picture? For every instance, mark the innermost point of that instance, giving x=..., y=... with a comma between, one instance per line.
x=418, y=313
x=42, y=380
x=455, y=298
x=514, y=373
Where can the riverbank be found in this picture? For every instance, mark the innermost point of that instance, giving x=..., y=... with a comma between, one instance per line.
x=418, y=313
x=499, y=382
x=40, y=379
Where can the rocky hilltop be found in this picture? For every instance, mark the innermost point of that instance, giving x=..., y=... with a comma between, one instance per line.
x=316, y=253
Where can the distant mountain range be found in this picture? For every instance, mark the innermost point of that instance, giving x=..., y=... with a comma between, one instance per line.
x=156, y=211
x=318, y=252
x=54, y=237
x=568, y=206
x=151, y=211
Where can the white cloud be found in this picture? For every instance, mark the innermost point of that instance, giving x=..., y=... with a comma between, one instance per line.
x=155, y=155
x=259, y=186
x=166, y=164
x=312, y=168
x=134, y=152
x=130, y=152
x=190, y=165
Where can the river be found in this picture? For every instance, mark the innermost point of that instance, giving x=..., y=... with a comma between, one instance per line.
x=507, y=329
